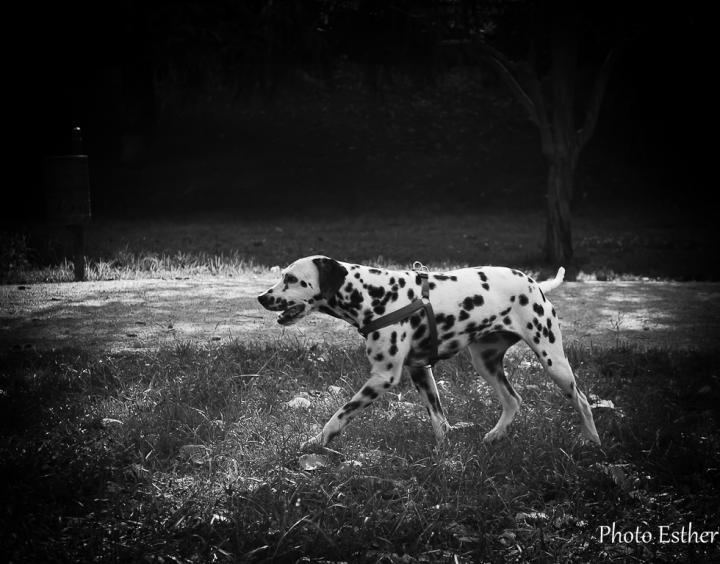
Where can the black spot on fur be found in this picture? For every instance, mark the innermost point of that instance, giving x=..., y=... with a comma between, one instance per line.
x=376, y=292
x=411, y=294
x=463, y=315
x=505, y=311
x=369, y=392
x=419, y=332
x=392, y=351
x=401, y=281
x=350, y=406
x=376, y=335
x=524, y=300
x=486, y=286
x=445, y=322
x=507, y=321
x=472, y=301
x=549, y=361
x=379, y=357
x=512, y=298
x=415, y=320
x=529, y=325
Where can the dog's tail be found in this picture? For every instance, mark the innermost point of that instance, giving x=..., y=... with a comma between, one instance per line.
x=548, y=285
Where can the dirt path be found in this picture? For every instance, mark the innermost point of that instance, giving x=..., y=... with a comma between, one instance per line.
x=145, y=314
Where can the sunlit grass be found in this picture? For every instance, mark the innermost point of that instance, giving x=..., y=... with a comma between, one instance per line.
x=192, y=454
x=606, y=248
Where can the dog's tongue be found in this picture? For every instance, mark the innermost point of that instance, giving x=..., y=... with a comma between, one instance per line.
x=290, y=313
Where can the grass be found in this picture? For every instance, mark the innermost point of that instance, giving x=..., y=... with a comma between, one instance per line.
x=191, y=454
x=617, y=245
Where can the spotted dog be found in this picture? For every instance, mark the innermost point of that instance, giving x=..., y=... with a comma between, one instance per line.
x=484, y=309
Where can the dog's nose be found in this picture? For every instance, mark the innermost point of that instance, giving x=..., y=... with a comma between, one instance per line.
x=263, y=298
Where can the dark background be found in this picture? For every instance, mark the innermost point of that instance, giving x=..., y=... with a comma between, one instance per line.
x=254, y=107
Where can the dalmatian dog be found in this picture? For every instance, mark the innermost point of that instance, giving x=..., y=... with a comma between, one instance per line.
x=484, y=309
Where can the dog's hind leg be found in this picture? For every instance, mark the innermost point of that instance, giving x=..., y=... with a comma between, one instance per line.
x=561, y=373
x=424, y=381
x=487, y=358
x=549, y=351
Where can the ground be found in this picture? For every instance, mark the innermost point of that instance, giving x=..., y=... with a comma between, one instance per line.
x=135, y=315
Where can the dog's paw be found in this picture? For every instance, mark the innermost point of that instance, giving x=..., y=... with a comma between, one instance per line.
x=590, y=437
x=312, y=444
x=495, y=435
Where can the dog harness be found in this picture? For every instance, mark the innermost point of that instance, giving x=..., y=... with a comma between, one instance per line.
x=404, y=312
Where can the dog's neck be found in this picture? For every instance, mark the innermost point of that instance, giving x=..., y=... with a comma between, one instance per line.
x=359, y=307
x=341, y=307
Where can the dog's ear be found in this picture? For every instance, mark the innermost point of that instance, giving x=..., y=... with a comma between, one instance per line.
x=331, y=275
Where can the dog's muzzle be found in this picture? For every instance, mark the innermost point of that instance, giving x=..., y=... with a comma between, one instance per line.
x=289, y=311
x=291, y=314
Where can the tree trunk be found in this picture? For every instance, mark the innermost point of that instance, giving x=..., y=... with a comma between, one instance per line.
x=550, y=102
x=558, y=234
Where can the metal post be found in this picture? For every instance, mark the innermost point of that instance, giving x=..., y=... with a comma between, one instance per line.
x=67, y=196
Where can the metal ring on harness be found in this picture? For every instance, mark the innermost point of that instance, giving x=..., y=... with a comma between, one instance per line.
x=406, y=311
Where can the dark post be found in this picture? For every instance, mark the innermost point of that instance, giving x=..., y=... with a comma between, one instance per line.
x=67, y=197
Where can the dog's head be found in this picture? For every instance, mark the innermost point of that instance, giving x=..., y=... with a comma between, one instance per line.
x=304, y=286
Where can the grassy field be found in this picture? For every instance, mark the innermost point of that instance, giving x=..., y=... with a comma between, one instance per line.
x=191, y=454
x=629, y=243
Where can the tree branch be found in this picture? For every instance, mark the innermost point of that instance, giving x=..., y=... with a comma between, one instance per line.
x=527, y=89
x=510, y=73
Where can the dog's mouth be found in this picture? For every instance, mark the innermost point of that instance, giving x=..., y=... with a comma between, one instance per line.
x=291, y=314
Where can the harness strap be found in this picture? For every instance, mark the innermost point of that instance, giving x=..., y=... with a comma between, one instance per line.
x=406, y=311
x=392, y=317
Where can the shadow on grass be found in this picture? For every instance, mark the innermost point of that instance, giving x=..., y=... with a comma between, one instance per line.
x=191, y=454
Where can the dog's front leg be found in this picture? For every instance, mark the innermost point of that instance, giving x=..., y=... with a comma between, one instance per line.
x=424, y=381
x=379, y=382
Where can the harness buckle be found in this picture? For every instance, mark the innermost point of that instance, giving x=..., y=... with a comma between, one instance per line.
x=421, y=268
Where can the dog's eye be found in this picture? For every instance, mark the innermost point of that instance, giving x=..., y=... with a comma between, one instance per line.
x=290, y=279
